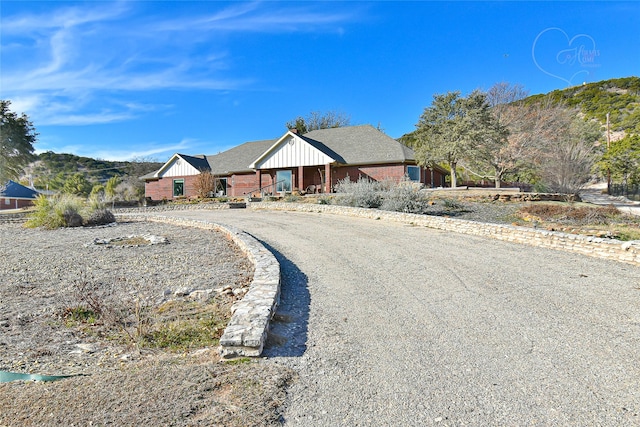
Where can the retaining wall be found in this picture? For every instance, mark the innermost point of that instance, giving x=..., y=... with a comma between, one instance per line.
x=247, y=330
x=616, y=250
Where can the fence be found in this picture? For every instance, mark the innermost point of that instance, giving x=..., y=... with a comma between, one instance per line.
x=631, y=192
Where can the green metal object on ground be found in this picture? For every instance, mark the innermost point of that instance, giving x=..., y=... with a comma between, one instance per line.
x=6, y=377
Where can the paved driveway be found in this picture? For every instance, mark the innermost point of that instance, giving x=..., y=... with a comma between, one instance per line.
x=390, y=324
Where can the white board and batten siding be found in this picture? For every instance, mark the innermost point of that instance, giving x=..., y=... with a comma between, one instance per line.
x=178, y=167
x=292, y=152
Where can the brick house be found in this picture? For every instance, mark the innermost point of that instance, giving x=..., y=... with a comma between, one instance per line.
x=313, y=162
x=16, y=196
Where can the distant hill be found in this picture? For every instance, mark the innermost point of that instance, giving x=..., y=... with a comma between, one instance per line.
x=50, y=169
x=618, y=97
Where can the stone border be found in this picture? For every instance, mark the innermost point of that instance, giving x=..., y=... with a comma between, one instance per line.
x=247, y=330
x=628, y=252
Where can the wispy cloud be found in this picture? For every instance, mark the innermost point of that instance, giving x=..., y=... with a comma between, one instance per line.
x=85, y=64
x=148, y=150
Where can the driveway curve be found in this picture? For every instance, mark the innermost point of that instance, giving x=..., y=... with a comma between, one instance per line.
x=390, y=324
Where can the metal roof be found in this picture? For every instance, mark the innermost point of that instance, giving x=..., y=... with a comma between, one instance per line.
x=13, y=190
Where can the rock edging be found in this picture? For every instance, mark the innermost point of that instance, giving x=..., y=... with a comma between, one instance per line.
x=627, y=252
x=247, y=330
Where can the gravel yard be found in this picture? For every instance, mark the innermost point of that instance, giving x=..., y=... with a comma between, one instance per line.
x=44, y=273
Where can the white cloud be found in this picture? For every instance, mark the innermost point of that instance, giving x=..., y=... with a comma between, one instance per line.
x=86, y=64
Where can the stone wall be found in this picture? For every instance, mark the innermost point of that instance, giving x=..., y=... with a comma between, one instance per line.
x=247, y=330
x=628, y=252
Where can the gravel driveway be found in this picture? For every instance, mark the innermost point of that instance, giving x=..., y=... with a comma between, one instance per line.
x=389, y=324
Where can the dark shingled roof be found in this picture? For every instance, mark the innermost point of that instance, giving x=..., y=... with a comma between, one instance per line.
x=198, y=162
x=239, y=158
x=13, y=190
x=356, y=145
x=359, y=145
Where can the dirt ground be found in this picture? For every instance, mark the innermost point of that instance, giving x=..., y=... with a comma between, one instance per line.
x=118, y=380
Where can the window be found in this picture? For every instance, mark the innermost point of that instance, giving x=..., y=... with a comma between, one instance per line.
x=7, y=201
x=221, y=187
x=414, y=173
x=283, y=181
x=178, y=187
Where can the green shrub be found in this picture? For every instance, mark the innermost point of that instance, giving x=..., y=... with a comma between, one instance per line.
x=67, y=210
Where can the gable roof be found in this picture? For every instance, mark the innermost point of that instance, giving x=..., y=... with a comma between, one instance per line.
x=314, y=151
x=198, y=162
x=13, y=190
x=362, y=145
x=238, y=159
x=356, y=145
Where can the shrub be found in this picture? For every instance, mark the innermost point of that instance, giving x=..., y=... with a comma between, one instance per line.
x=66, y=210
x=365, y=193
x=58, y=211
x=404, y=197
x=101, y=217
x=292, y=198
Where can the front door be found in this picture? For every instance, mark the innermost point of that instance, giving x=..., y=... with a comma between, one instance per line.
x=283, y=181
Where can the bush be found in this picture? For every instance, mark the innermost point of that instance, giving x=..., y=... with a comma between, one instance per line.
x=66, y=210
x=100, y=217
x=57, y=211
x=404, y=197
x=365, y=193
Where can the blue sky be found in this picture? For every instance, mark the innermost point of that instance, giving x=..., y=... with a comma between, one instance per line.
x=123, y=79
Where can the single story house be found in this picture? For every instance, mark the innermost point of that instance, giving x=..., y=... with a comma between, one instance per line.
x=313, y=162
x=16, y=196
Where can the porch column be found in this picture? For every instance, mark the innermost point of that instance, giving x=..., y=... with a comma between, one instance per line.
x=259, y=180
x=301, y=178
x=327, y=178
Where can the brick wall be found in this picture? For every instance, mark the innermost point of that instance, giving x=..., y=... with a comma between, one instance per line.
x=8, y=203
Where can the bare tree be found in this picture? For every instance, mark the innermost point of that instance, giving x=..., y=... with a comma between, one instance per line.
x=205, y=184
x=317, y=120
x=567, y=151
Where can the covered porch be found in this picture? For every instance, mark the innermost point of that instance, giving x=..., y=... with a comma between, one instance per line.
x=302, y=179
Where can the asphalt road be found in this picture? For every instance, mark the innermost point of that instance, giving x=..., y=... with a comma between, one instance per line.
x=389, y=324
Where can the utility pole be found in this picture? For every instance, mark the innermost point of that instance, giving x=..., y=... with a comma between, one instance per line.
x=608, y=147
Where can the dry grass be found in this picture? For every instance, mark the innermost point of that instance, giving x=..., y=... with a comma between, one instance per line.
x=600, y=221
x=172, y=391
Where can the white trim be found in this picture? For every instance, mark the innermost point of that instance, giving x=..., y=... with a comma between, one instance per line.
x=294, y=152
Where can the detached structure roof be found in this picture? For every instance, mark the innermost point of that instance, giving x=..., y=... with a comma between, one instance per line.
x=13, y=190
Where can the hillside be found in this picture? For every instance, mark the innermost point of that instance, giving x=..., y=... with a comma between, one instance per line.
x=50, y=170
x=618, y=97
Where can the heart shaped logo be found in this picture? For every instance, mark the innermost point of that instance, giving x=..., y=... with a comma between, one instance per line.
x=563, y=57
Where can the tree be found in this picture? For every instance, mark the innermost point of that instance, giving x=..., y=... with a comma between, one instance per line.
x=110, y=188
x=452, y=129
x=622, y=159
x=317, y=120
x=566, y=152
x=17, y=136
x=77, y=184
x=504, y=149
x=205, y=184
